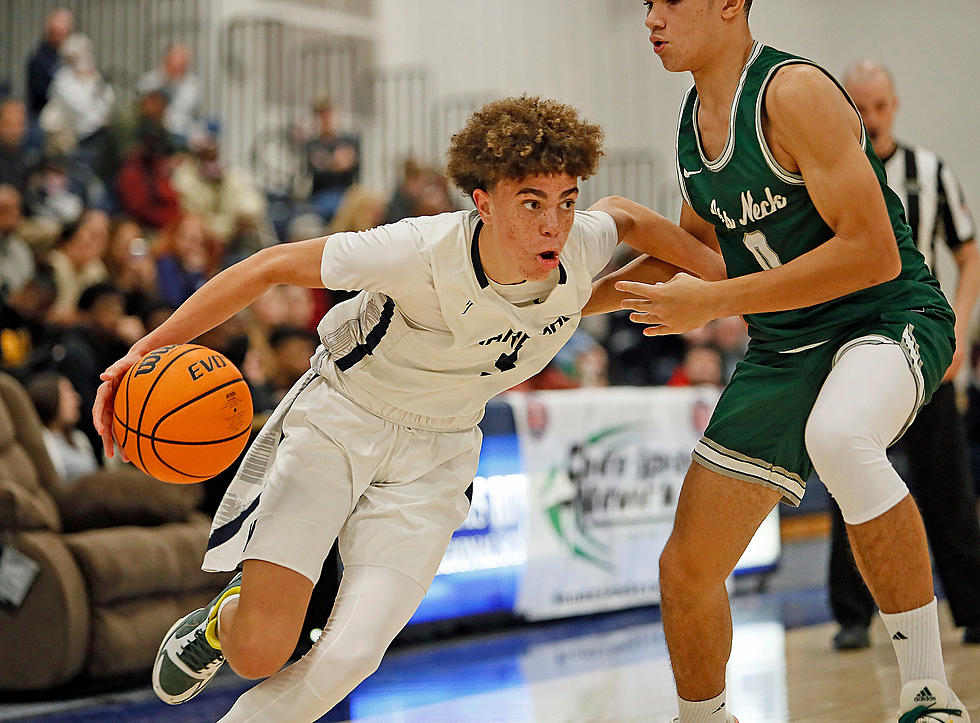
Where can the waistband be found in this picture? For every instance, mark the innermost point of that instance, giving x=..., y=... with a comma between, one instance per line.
x=323, y=365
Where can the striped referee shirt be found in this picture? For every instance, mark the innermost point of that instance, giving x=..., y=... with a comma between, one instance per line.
x=935, y=208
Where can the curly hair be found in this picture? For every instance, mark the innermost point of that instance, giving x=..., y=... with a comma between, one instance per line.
x=522, y=136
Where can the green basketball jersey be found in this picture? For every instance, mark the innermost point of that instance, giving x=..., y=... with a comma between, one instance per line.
x=764, y=217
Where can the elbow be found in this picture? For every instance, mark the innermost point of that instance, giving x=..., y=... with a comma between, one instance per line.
x=614, y=201
x=892, y=267
x=886, y=266
x=609, y=204
x=263, y=266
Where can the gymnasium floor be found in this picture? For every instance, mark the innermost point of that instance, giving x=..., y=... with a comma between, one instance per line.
x=601, y=669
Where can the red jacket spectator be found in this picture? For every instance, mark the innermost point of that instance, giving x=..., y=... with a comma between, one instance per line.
x=144, y=183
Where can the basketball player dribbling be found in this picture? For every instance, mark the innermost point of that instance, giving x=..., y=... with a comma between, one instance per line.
x=850, y=335
x=378, y=443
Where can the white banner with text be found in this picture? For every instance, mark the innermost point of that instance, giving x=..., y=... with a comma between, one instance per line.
x=604, y=468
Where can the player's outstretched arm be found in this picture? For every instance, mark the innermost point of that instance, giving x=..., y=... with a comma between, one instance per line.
x=650, y=233
x=217, y=301
x=810, y=123
x=643, y=269
x=668, y=249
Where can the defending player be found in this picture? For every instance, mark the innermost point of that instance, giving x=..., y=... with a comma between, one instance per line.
x=849, y=336
x=379, y=441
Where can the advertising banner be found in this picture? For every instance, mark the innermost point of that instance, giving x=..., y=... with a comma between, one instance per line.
x=604, y=468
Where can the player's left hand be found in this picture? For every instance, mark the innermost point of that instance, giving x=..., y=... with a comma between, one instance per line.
x=672, y=307
x=102, y=410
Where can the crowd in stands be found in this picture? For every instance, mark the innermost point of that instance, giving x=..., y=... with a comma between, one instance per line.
x=113, y=213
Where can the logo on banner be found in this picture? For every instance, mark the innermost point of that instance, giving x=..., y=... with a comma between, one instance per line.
x=537, y=418
x=610, y=481
x=701, y=415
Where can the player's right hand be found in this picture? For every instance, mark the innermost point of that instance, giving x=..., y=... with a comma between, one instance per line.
x=105, y=397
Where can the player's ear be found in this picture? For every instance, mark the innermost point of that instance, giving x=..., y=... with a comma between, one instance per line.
x=481, y=200
x=732, y=8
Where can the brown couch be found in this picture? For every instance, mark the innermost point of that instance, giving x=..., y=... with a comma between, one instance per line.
x=118, y=555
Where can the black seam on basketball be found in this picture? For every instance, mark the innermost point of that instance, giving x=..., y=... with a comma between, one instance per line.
x=154, y=440
x=153, y=446
x=137, y=433
x=176, y=409
x=146, y=398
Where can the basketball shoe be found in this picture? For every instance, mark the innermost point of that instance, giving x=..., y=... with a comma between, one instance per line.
x=929, y=701
x=190, y=653
x=729, y=719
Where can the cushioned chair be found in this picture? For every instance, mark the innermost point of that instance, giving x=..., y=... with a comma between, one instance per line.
x=117, y=553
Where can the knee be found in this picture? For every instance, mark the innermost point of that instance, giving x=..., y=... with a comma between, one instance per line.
x=363, y=663
x=256, y=650
x=254, y=659
x=685, y=574
x=353, y=659
x=822, y=438
x=832, y=443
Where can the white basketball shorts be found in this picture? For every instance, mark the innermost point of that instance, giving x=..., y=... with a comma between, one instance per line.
x=392, y=494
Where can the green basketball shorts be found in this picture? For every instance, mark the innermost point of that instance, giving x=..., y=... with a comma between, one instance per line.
x=756, y=433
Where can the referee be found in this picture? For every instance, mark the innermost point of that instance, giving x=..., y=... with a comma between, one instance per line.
x=935, y=444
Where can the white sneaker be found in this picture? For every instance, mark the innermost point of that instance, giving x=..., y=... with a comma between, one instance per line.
x=929, y=701
x=729, y=719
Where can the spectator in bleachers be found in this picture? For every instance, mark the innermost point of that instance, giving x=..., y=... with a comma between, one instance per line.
x=77, y=262
x=54, y=199
x=131, y=266
x=638, y=360
x=131, y=123
x=731, y=338
x=182, y=88
x=284, y=305
x=292, y=347
x=58, y=406
x=16, y=257
x=582, y=362
x=333, y=160
x=79, y=105
x=143, y=184
x=310, y=225
x=281, y=307
x=155, y=313
x=702, y=366
x=101, y=334
x=17, y=159
x=26, y=339
x=232, y=205
x=423, y=191
x=359, y=211
x=186, y=257
x=44, y=61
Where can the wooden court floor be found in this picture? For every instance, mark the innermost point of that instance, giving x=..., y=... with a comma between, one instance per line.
x=800, y=680
x=826, y=686
x=611, y=668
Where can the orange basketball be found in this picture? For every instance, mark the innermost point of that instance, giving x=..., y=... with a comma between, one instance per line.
x=182, y=413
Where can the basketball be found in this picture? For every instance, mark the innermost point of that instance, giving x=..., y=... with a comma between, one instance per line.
x=182, y=413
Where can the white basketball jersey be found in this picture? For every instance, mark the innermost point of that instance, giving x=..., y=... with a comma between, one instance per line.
x=428, y=340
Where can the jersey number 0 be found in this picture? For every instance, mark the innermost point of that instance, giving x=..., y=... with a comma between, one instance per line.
x=755, y=241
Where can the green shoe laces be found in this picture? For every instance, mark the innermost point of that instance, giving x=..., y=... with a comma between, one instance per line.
x=198, y=653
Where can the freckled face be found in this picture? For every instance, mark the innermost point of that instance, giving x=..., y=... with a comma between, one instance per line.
x=527, y=222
